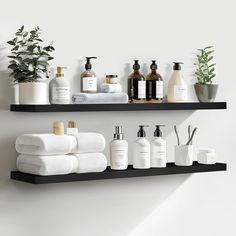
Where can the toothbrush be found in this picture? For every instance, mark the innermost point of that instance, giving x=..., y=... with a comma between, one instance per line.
x=190, y=128
x=191, y=138
x=177, y=134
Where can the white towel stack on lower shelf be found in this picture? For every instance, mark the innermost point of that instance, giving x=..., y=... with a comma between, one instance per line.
x=50, y=154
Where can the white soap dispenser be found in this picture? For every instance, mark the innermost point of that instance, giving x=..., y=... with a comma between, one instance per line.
x=59, y=88
x=177, y=88
x=141, y=150
x=119, y=151
x=158, y=149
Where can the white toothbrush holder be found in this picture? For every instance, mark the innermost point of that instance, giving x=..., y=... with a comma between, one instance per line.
x=183, y=155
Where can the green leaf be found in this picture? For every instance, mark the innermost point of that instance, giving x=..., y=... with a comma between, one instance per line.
x=11, y=43
x=22, y=28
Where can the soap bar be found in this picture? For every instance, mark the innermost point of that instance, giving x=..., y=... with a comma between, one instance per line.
x=206, y=156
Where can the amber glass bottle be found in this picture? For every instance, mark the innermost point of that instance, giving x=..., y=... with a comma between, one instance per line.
x=136, y=85
x=154, y=85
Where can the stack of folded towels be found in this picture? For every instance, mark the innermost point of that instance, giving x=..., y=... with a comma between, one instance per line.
x=110, y=93
x=50, y=154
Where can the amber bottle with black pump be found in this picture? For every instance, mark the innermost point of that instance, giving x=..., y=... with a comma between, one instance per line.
x=136, y=85
x=154, y=85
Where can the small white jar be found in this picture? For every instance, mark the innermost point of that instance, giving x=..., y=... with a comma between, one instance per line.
x=206, y=156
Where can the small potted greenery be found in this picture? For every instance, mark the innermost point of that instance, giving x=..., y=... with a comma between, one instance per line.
x=30, y=65
x=205, y=72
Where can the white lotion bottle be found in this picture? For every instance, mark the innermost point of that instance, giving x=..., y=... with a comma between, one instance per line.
x=158, y=149
x=141, y=150
x=177, y=88
x=59, y=88
x=119, y=151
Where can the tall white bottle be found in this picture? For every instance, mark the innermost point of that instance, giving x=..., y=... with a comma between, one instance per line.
x=177, y=88
x=59, y=88
x=141, y=150
x=119, y=151
x=158, y=149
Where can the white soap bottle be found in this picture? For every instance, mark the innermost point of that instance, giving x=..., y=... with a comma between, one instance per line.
x=119, y=151
x=158, y=149
x=141, y=150
x=177, y=88
x=59, y=88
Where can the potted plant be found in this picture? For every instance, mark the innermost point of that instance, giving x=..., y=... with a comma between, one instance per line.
x=29, y=65
x=205, y=72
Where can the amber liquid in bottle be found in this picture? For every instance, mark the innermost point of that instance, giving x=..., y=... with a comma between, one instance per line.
x=154, y=85
x=136, y=85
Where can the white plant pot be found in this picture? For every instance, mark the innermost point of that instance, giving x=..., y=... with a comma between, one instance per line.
x=184, y=155
x=33, y=93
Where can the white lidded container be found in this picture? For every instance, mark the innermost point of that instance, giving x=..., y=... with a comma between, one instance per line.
x=158, y=149
x=59, y=88
x=119, y=151
x=177, y=88
x=206, y=156
x=141, y=150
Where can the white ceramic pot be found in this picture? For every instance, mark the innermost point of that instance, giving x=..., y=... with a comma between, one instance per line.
x=184, y=155
x=33, y=93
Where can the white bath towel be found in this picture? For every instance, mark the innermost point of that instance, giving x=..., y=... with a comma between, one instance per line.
x=62, y=164
x=91, y=162
x=111, y=88
x=99, y=98
x=51, y=144
x=47, y=165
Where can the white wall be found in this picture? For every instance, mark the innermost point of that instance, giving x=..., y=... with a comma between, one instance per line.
x=118, y=32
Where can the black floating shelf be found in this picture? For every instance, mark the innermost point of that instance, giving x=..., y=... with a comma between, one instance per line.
x=113, y=174
x=119, y=107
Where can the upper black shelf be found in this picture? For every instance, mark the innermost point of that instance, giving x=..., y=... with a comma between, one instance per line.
x=119, y=107
x=113, y=174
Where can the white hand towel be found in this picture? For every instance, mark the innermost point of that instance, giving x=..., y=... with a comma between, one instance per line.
x=61, y=164
x=91, y=162
x=100, y=98
x=111, y=88
x=51, y=144
x=47, y=165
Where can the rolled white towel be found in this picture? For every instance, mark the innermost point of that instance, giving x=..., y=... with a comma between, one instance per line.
x=51, y=144
x=47, y=165
x=111, y=88
x=91, y=162
x=61, y=164
x=100, y=98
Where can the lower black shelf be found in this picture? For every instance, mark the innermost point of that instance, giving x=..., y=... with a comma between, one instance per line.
x=113, y=174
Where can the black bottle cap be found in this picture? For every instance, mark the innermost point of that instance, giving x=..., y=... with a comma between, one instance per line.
x=158, y=132
x=141, y=132
x=153, y=65
x=136, y=65
x=177, y=65
x=88, y=65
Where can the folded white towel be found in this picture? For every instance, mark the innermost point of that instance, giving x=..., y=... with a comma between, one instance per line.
x=111, y=88
x=99, y=98
x=91, y=162
x=51, y=144
x=62, y=164
x=47, y=165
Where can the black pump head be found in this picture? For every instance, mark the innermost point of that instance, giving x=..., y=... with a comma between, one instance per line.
x=158, y=132
x=153, y=65
x=177, y=65
x=141, y=132
x=88, y=65
x=136, y=65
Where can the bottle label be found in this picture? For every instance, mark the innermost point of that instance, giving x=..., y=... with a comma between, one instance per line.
x=159, y=89
x=61, y=92
x=141, y=89
x=119, y=157
x=90, y=84
x=144, y=156
x=159, y=152
x=180, y=92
